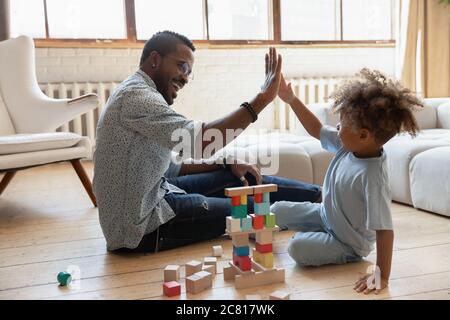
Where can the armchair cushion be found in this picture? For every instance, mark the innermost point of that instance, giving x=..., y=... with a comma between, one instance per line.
x=22, y=143
x=6, y=126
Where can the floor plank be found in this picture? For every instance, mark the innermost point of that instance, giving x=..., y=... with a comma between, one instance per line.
x=47, y=223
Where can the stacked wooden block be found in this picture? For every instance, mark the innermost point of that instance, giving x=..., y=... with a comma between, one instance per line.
x=261, y=222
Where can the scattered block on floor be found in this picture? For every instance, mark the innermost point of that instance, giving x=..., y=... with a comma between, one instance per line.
x=211, y=261
x=233, y=225
x=198, y=282
x=210, y=268
x=279, y=295
x=253, y=297
x=172, y=273
x=217, y=251
x=192, y=267
x=229, y=273
x=240, y=240
x=171, y=289
x=260, y=278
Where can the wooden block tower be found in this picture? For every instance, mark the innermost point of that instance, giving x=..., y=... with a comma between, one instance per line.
x=248, y=272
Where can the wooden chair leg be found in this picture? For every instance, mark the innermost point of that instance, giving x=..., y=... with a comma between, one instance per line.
x=84, y=179
x=6, y=180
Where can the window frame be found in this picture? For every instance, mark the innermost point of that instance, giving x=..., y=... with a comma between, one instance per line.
x=131, y=40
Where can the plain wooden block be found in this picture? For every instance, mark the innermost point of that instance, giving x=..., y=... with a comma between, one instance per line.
x=198, y=282
x=279, y=295
x=264, y=236
x=240, y=240
x=217, y=251
x=192, y=267
x=265, y=188
x=171, y=273
x=233, y=225
x=229, y=273
x=237, y=192
x=210, y=268
x=260, y=278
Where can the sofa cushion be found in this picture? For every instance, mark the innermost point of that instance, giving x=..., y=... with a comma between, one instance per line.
x=21, y=143
x=430, y=180
x=6, y=126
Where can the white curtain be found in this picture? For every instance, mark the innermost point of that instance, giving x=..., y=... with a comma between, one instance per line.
x=423, y=47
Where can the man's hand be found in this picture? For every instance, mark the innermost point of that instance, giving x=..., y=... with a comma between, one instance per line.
x=361, y=285
x=241, y=169
x=269, y=89
x=285, y=92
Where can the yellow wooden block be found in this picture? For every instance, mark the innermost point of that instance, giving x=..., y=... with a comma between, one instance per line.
x=244, y=200
x=264, y=259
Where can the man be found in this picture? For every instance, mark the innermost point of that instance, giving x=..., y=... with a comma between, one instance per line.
x=146, y=202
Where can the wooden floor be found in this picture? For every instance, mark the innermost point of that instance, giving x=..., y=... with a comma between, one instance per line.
x=47, y=223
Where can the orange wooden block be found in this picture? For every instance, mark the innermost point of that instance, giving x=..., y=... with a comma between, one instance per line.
x=258, y=198
x=257, y=222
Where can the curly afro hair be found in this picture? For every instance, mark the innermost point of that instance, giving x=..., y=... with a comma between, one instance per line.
x=377, y=103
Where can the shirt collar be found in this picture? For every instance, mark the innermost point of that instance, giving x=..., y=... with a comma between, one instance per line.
x=147, y=78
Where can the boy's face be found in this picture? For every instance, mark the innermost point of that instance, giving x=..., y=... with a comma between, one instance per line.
x=354, y=140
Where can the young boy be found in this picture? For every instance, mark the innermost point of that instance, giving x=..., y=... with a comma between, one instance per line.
x=355, y=212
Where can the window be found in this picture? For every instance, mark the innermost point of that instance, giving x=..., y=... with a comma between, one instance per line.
x=268, y=22
x=186, y=17
x=367, y=20
x=86, y=19
x=27, y=17
x=310, y=20
x=238, y=20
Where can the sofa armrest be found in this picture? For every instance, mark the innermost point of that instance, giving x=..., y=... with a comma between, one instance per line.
x=443, y=113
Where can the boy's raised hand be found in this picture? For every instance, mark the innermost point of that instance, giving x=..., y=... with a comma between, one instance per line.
x=285, y=92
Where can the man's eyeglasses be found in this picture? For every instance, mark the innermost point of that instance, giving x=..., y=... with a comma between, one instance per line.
x=184, y=67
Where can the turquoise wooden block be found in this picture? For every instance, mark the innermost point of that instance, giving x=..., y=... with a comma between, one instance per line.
x=262, y=209
x=266, y=197
x=246, y=223
x=241, y=251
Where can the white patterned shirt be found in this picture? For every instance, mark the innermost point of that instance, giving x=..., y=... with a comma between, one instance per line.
x=133, y=152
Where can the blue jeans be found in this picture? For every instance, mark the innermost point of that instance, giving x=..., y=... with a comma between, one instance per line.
x=314, y=245
x=202, y=212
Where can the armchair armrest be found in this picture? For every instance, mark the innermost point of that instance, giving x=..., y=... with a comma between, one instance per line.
x=443, y=113
x=84, y=97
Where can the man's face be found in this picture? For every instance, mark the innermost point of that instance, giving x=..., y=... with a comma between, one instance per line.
x=173, y=72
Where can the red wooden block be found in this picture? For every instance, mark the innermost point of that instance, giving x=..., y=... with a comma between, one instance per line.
x=235, y=259
x=258, y=198
x=245, y=264
x=264, y=248
x=171, y=289
x=257, y=222
x=236, y=201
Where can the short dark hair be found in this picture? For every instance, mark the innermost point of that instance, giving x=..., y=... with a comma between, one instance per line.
x=164, y=42
x=378, y=103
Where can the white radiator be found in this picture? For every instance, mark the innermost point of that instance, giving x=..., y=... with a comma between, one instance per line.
x=309, y=90
x=85, y=124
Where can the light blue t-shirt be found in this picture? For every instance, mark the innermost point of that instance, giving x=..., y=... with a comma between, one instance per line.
x=356, y=195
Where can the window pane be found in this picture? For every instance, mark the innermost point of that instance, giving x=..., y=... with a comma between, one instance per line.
x=238, y=20
x=367, y=20
x=27, y=18
x=186, y=17
x=86, y=19
x=310, y=20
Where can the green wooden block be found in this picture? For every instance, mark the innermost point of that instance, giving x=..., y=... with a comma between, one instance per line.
x=270, y=220
x=239, y=212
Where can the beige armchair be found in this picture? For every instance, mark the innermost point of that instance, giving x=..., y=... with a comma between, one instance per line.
x=29, y=119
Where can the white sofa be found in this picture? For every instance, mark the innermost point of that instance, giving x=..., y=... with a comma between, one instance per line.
x=419, y=168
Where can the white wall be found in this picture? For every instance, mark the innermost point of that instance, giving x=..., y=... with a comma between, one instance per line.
x=224, y=78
